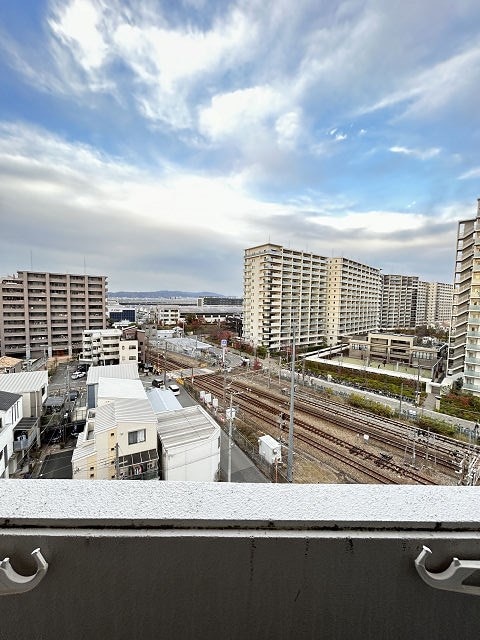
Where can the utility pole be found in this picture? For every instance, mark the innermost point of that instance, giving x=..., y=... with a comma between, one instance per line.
x=165, y=364
x=230, y=429
x=117, y=463
x=292, y=403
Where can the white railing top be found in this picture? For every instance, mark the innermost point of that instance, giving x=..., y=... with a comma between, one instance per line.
x=191, y=505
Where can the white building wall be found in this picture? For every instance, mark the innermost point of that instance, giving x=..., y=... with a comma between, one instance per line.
x=464, y=357
x=197, y=463
x=9, y=420
x=128, y=350
x=283, y=288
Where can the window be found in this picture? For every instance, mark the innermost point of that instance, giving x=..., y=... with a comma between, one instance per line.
x=136, y=436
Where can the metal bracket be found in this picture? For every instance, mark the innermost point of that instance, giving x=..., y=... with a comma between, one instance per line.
x=12, y=582
x=452, y=578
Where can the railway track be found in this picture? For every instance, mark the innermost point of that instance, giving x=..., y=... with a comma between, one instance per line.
x=333, y=446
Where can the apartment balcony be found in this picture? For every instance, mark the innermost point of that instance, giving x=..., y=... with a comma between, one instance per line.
x=24, y=437
x=473, y=388
x=198, y=560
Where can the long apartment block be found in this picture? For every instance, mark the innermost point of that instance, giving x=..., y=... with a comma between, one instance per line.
x=319, y=298
x=465, y=330
x=46, y=313
x=407, y=301
x=315, y=297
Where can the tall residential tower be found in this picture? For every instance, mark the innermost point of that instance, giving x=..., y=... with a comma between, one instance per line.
x=465, y=329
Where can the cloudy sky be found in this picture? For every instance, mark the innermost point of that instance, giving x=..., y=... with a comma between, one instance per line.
x=154, y=141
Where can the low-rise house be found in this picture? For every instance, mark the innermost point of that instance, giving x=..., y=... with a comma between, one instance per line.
x=119, y=440
x=117, y=372
x=32, y=386
x=189, y=441
x=10, y=416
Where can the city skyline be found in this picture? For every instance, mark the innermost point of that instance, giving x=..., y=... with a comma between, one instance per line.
x=154, y=143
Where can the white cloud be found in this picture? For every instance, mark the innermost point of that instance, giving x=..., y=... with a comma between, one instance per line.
x=78, y=25
x=421, y=154
x=289, y=128
x=472, y=173
x=431, y=89
x=237, y=112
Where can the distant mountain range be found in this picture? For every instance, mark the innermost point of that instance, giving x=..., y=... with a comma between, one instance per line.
x=162, y=294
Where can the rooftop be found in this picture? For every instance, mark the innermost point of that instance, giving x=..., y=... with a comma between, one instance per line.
x=119, y=371
x=24, y=382
x=188, y=425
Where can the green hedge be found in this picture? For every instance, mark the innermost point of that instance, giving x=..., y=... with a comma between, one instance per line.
x=461, y=405
x=367, y=380
x=437, y=426
x=356, y=400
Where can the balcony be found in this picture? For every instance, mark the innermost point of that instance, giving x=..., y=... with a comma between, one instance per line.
x=25, y=434
x=194, y=560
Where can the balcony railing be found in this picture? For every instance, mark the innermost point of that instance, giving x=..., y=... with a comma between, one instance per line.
x=188, y=560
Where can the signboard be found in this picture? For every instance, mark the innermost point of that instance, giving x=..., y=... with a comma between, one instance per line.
x=223, y=343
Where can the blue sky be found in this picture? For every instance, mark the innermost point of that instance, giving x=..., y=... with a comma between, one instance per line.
x=154, y=141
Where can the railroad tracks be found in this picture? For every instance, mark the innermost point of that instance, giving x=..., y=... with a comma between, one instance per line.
x=375, y=466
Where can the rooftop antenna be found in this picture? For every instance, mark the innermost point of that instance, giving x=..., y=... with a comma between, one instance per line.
x=31, y=260
x=84, y=266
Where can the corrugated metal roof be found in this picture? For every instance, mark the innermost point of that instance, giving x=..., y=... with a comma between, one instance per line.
x=83, y=450
x=127, y=371
x=163, y=400
x=23, y=382
x=105, y=417
x=7, y=400
x=134, y=410
x=187, y=426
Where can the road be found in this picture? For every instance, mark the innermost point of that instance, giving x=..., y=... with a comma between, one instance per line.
x=243, y=469
x=57, y=465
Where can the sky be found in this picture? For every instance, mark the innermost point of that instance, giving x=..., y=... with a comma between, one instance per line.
x=154, y=141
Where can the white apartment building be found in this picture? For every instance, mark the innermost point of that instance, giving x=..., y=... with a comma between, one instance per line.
x=44, y=314
x=465, y=329
x=284, y=291
x=108, y=346
x=119, y=440
x=353, y=299
x=408, y=301
x=399, y=301
x=440, y=300
x=323, y=298
x=10, y=416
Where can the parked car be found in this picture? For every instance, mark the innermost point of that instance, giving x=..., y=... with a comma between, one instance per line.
x=78, y=374
x=73, y=395
x=175, y=389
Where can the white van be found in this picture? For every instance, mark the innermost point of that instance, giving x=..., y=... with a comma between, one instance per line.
x=175, y=389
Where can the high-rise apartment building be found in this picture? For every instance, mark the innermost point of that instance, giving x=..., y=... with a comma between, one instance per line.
x=46, y=313
x=317, y=297
x=440, y=300
x=284, y=289
x=407, y=301
x=464, y=354
x=330, y=298
x=353, y=298
x=399, y=301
